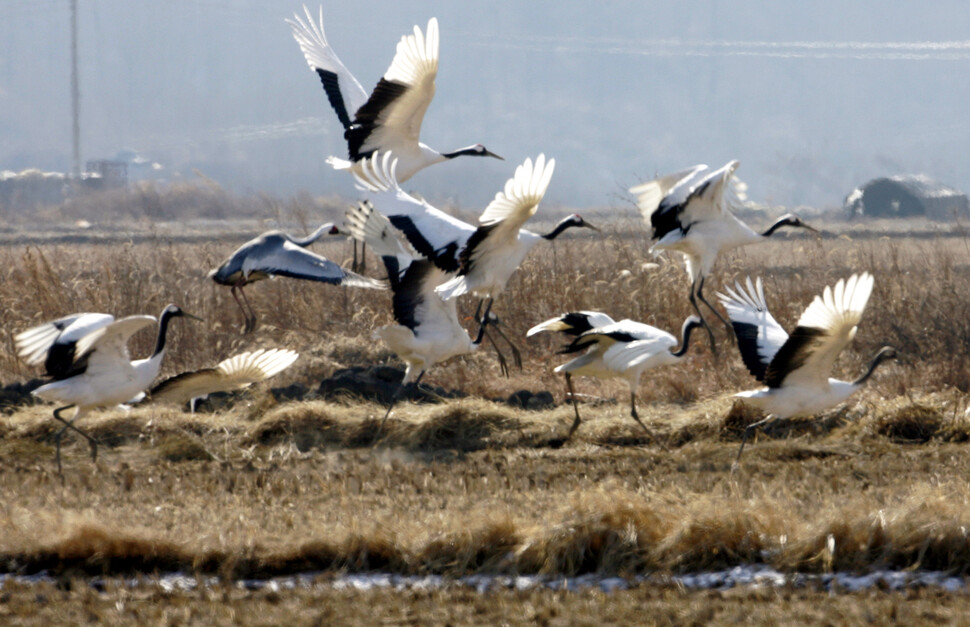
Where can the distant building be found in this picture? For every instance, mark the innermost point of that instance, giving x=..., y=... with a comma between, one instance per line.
x=905, y=196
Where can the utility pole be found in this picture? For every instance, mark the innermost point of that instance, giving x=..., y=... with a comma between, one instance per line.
x=75, y=96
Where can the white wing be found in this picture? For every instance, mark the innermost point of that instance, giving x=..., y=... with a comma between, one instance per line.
x=520, y=198
x=433, y=233
x=344, y=92
x=108, y=345
x=759, y=334
x=235, y=373
x=367, y=224
x=622, y=356
x=706, y=200
x=671, y=189
x=391, y=118
x=34, y=343
x=824, y=330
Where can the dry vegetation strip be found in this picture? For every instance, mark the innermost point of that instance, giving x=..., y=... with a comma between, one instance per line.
x=472, y=486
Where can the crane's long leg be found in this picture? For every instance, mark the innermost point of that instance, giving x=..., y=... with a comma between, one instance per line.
x=397, y=397
x=516, y=355
x=69, y=424
x=572, y=396
x=707, y=327
x=250, y=314
x=502, y=363
x=744, y=439
x=636, y=416
x=700, y=295
x=359, y=266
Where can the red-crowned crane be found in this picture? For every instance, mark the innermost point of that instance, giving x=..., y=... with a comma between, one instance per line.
x=624, y=349
x=87, y=357
x=390, y=118
x=796, y=368
x=691, y=212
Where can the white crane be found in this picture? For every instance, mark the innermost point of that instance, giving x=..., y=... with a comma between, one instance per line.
x=691, y=212
x=427, y=329
x=483, y=258
x=274, y=253
x=390, y=118
x=87, y=356
x=796, y=368
x=623, y=349
x=235, y=373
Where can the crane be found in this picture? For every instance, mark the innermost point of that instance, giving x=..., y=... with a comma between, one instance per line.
x=390, y=117
x=623, y=349
x=691, y=212
x=275, y=253
x=87, y=357
x=795, y=368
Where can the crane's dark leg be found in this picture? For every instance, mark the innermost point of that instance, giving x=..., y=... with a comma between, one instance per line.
x=69, y=424
x=397, y=397
x=361, y=265
x=502, y=363
x=727, y=323
x=636, y=416
x=572, y=397
x=744, y=439
x=707, y=327
x=516, y=355
x=250, y=314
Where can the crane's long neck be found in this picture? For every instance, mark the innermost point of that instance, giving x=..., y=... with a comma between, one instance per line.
x=689, y=325
x=884, y=353
x=312, y=237
x=162, y=332
x=562, y=226
x=786, y=220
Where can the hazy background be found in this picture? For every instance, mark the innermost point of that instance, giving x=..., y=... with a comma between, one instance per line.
x=813, y=98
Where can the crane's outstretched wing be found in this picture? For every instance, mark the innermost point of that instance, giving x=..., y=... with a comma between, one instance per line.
x=280, y=257
x=391, y=118
x=434, y=234
x=572, y=323
x=36, y=345
x=343, y=91
x=659, y=199
x=824, y=329
x=759, y=334
x=235, y=373
x=519, y=200
x=106, y=348
x=624, y=331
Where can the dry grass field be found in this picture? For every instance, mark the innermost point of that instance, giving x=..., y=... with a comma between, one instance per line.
x=471, y=485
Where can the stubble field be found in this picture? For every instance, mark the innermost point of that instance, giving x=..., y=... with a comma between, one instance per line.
x=472, y=486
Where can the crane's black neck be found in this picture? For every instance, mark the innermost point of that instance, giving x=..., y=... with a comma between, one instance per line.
x=569, y=222
x=163, y=321
x=689, y=325
x=788, y=220
x=886, y=352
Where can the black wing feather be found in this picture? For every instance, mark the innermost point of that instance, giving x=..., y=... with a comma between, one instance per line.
x=331, y=85
x=445, y=258
x=792, y=355
x=366, y=118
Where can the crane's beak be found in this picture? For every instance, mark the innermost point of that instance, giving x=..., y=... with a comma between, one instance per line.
x=590, y=226
x=188, y=315
x=489, y=153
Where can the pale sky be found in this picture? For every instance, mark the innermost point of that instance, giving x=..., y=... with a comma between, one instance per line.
x=813, y=98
